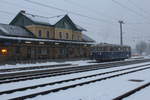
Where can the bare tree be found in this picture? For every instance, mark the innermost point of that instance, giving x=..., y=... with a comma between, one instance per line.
x=141, y=47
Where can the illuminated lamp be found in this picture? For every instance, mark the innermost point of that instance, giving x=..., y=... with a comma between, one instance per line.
x=4, y=51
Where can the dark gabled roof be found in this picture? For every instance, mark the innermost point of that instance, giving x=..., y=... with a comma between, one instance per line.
x=68, y=19
x=17, y=31
x=48, y=21
x=86, y=38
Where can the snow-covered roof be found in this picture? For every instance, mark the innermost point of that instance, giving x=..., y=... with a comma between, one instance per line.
x=86, y=38
x=44, y=20
x=44, y=40
x=55, y=19
x=80, y=28
x=11, y=30
x=48, y=20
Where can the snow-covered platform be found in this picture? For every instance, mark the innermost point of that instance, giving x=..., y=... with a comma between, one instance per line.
x=74, y=62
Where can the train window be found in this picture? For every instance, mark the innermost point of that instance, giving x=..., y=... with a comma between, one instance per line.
x=105, y=48
x=108, y=48
x=111, y=49
x=125, y=49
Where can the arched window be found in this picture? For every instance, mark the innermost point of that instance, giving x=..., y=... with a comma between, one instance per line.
x=72, y=37
x=67, y=36
x=60, y=35
x=40, y=33
x=47, y=34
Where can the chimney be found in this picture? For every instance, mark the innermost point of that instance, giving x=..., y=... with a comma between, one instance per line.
x=23, y=11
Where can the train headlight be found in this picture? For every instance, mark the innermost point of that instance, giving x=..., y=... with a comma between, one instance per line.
x=4, y=51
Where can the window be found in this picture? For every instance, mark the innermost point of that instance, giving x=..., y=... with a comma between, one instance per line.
x=72, y=37
x=67, y=35
x=47, y=34
x=66, y=26
x=60, y=35
x=42, y=51
x=40, y=33
x=78, y=37
x=17, y=50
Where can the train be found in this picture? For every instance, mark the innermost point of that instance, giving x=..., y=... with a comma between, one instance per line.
x=110, y=52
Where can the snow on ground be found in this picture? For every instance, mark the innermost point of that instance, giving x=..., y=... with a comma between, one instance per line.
x=143, y=94
x=62, y=77
x=50, y=68
x=52, y=79
x=80, y=62
x=103, y=90
x=141, y=57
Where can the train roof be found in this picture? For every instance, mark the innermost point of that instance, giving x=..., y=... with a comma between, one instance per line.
x=111, y=45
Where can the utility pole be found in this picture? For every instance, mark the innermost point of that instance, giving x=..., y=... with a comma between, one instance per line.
x=121, y=36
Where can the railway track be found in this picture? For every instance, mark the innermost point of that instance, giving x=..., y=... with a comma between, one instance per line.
x=131, y=92
x=49, y=66
x=117, y=74
x=73, y=79
x=32, y=68
x=22, y=76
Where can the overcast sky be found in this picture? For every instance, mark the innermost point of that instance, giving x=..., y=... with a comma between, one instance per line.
x=104, y=15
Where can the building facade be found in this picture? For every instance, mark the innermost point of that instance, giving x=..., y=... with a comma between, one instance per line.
x=36, y=37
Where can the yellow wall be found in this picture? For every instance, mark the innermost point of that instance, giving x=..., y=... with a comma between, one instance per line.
x=72, y=35
x=55, y=32
x=35, y=30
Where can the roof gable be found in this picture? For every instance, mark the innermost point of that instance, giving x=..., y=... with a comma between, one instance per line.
x=66, y=23
x=61, y=21
x=21, y=20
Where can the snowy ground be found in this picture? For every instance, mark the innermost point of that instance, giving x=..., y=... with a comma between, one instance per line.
x=73, y=64
x=104, y=90
x=80, y=63
x=144, y=94
x=103, y=86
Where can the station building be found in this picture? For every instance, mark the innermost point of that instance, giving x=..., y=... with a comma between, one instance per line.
x=32, y=37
